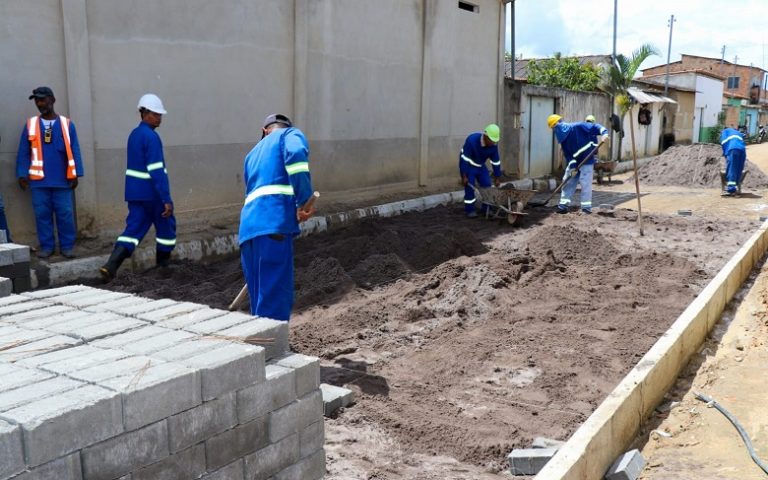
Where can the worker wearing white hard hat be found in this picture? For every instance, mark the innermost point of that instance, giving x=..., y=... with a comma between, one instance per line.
x=147, y=191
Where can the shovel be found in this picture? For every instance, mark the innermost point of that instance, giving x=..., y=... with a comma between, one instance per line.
x=564, y=182
x=244, y=291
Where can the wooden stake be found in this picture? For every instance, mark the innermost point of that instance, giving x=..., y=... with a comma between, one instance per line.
x=637, y=179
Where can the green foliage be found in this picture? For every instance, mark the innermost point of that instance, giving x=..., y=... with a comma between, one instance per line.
x=717, y=130
x=563, y=72
x=616, y=79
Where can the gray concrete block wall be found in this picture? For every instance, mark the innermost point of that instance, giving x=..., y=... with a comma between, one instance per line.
x=14, y=266
x=130, y=388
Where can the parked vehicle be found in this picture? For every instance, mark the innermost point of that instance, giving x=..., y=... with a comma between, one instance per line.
x=760, y=133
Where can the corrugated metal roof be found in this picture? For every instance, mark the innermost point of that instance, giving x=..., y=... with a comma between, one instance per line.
x=643, y=97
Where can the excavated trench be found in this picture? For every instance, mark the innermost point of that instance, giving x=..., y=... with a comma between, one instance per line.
x=468, y=338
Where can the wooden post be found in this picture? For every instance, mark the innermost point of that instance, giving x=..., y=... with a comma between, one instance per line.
x=634, y=165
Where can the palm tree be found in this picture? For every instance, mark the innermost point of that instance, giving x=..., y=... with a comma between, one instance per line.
x=617, y=78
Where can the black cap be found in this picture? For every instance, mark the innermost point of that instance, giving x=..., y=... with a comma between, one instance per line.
x=41, y=92
x=277, y=118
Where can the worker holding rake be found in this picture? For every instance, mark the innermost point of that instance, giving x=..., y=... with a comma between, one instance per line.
x=580, y=151
x=278, y=193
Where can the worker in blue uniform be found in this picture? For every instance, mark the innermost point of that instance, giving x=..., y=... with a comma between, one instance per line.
x=735, y=154
x=49, y=161
x=479, y=147
x=147, y=191
x=277, y=188
x=579, y=142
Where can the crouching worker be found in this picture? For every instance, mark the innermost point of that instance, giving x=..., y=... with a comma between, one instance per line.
x=277, y=190
x=479, y=147
x=735, y=154
x=147, y=191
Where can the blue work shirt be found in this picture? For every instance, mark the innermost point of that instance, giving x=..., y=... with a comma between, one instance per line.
x=731, y=139
x=54, y=156
x=578, y=140
x=146, y=178
x=473, y=155
x=277, y=183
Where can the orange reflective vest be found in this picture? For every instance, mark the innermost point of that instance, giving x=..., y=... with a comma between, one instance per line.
x=36, y=171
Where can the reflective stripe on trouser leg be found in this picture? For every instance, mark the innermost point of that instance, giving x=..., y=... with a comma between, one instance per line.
x=268, y=269
x=165, y=229
x=585, y=180
x=469, y=199
x=568, y=190
x=42, y=203
x=65, y=217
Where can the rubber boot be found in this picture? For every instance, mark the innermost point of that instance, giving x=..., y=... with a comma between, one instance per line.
x=162, y=259
x=118, y=256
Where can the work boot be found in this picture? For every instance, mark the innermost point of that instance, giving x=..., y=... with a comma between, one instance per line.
x=162, y=258
x=472, y=214
x=562, y=209
x=118, y=256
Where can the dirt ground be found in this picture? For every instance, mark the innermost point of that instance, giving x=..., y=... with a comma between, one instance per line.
x=464, y=339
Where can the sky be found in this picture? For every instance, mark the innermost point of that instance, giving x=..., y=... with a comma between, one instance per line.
x=585, y=27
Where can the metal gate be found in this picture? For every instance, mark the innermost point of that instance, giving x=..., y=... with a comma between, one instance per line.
x=540, y=139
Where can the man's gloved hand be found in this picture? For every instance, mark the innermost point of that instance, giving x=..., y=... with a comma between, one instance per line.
x=73, y=183
x=496, y=181
x=167, y=210
x=464, y=180
x=23, y=182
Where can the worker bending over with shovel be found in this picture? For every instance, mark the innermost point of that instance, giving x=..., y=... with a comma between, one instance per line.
x=735, y=154
x=278, y=186
x=578, y=141
x=479, y=147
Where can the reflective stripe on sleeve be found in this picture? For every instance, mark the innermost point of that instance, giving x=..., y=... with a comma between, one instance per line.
x=731, y=138
x=496, y=164
x=298, y=167
x=583, y=149
x=469, y=160
x=138, y=174
x=268, y=190
x=154, y=166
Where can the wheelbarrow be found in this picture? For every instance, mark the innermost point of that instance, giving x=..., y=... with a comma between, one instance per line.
x=504, y=201
x=604, y=168
x=724, y=183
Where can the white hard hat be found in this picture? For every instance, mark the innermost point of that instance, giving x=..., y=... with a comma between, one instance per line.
x=152, y=102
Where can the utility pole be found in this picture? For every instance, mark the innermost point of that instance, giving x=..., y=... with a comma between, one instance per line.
x=671, y=23
x=735, y=61
x=722, y=59
x=613, y=62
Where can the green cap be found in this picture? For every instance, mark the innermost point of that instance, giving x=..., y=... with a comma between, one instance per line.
x=493, y=132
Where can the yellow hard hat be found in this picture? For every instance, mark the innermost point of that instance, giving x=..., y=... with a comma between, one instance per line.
x=493, y=132
x=590, y=119
x=553, y=119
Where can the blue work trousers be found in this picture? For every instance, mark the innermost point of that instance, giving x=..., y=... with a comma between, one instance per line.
x=583, y=178
x=46, y=203
x=142, y=215
x=734, y=165
x=4, y=221
x=482, y=178
x=268, y=267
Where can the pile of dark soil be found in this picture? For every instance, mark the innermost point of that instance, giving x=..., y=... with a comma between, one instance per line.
x=696, y=166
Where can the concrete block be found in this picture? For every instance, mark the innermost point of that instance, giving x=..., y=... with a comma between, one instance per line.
x=49, y=313
x=10, y=300
x=217, y=324
x=65, y=468
x=627, y=467
x=20, y=253
x=6, y=255
x=278, y=390
x=295, y=416
x=335, y=398
x=312, y=438
x=233, y=471
x=10, y=399
x=11, y=451
x=42, y=323
x=6, y=286
x=38, y=347
x=87, y=298
x=184, y=465
x=270, y=460
x=57, y=425
x=55, y=292
x=166, y=339
x=227, y=447
x=228, y=368
x=24, y=305
x=188, y=349
x=263, y=328
x=93, y=326
x=22, y=283
x=15, y=270
x=13, y=335
x=126, y=453
x=191, y=318
x=306, y=369
x=204, y=421
x=12, y=376
x=128, y=338
x=150, y=390
x=72, y=359
x=529, y=461
x=139, y=308
x=310, y=468
x=117, y=305
x=170, y=311
x=543, y=442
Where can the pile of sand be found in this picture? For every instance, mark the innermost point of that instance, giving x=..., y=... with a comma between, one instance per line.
x=696, y=166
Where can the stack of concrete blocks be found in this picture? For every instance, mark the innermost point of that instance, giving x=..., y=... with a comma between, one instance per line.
x=98, y=385
x=15, y=275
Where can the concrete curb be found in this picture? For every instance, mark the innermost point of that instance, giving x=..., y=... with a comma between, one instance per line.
x=611, y=428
